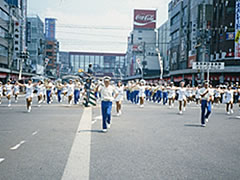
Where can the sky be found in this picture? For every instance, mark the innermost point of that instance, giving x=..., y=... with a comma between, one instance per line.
x=95, y=25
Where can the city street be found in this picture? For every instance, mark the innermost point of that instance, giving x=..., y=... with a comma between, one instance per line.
x=60, y=142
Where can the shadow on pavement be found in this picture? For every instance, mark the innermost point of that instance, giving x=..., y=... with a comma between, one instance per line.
x=192, y=125
x=94, y=131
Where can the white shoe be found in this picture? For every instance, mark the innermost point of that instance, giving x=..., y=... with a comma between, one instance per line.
x=16, y=101
x=184, y=109
x=0, y=102
x=231, y=111
x=180, y=112
x=203, y=125
x=170, y=107
x=39, y=105
x=228, y=113
x=118, y=114
x=141, y=106
x=104, y=130
x=108, y=126
x=206, y=120
x=9, y=105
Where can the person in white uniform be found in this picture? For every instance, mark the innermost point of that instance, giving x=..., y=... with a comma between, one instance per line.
x=171, y=94
x=40, y=92
x=119, y=98
x=108, y=94
x=141, y=87
x=70, y=91
x=16, y=91
x=229, y=99
x=181, y=97
x=29, y=93
x=8, y=88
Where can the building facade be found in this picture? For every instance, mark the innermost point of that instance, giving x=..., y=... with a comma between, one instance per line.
x=36, y=44
x=142, y=56
x=104, y=64
x=65, y=68
x=52, y=49
x=163, y=45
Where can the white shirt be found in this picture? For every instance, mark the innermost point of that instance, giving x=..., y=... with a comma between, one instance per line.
x=206, y=96
x=107, y=92
x=70, y=89
x=16, y=88
x=40, y=89
x=1, y=90
x=229, y=96
x=29, y=90
x=120, y=92
x=8, y=89
x=181, y=94
x=141, y=90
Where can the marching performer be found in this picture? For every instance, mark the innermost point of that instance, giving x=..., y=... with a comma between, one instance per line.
x=181, y=97
x=59, y=89
x=64, y=90
x=29, y=93
x=171, y=94
x=70, y=92
x=40, y=92
x=119, y=98
x=16, y=91
x=229, y=100
x=8, y=88
x=108, y=94
x=142, y=89
x=77, y=89
x=49, y=87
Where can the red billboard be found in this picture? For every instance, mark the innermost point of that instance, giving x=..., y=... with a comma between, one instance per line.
x=144, y=19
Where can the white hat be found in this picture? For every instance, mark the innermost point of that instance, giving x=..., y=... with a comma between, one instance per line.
x=106, y=78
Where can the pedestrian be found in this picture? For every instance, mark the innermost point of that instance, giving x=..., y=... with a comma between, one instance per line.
x=59, y=88
x=229, y=95
x=142, y=89
x=119, y=98
x=205, y=103
x=8, y=88
x=87, y=89
x=108, y=94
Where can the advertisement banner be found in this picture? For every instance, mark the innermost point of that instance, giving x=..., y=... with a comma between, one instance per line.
x=237, y=29
x=144, y=19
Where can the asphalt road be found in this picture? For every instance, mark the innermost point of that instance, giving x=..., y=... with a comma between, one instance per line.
x=150, y=143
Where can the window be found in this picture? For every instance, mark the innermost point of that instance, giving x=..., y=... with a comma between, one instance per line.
x=175, y=19
x=3, y=51
x=4, y=15
x=140, y=38
x=3, y=32
x=49, y=53
x=175, y=35
x=140, y=31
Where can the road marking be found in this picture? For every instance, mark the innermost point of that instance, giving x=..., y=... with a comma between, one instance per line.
x=79, y=159
x=34, y=133
x=17, y=146
x=1, y=160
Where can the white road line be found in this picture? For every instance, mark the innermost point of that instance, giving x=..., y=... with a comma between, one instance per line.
x=34, y=133
x=1, y=160
x=17, y=146
x=79, y=159
x=98, y=118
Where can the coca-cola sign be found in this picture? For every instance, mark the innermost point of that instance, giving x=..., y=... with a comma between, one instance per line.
x=144, y=19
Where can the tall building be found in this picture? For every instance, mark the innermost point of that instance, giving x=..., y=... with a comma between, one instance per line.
x=52, y=48
x=141, y=54
x=163, y=45
x=104, y=64
x=36, y=44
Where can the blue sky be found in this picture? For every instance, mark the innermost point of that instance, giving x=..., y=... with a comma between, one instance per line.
x=95, y=25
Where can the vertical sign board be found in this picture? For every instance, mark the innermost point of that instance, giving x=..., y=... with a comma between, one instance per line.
x=50, y=28
x=237, y=29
